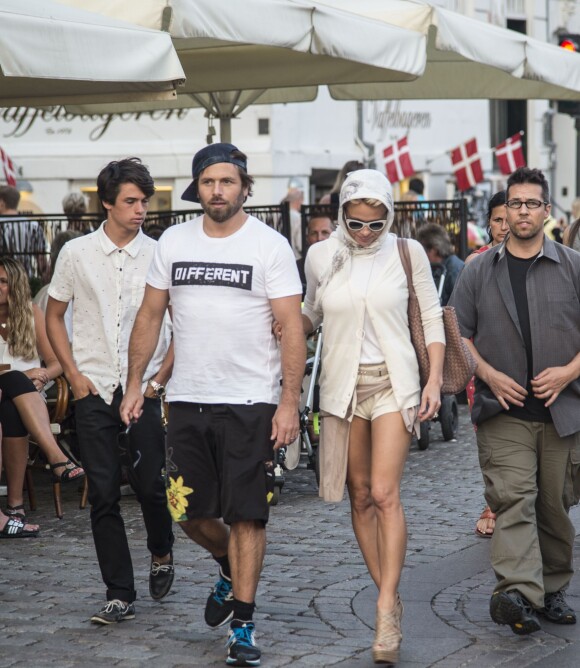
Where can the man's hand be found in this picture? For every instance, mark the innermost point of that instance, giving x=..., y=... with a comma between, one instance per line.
x=505, y=389
x=132, y=405
x=550, y=382
x=82, y=386
x=285, y=425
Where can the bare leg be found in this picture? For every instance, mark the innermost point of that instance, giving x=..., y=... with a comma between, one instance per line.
x=33, y=413
x=15, y=451
x=390, y=447
x=376, y=459
x=363, y=514
x=211, y=534
x=246, y=554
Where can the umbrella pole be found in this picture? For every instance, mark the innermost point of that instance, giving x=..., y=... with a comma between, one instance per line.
x=226, y=129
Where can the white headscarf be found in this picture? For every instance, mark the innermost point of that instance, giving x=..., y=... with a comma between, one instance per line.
x=358, y=185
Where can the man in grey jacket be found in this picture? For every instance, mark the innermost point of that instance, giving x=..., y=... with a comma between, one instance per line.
x=520, y=305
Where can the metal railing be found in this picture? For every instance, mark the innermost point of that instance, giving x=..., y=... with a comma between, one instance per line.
x=28, y=238
x=409, y=218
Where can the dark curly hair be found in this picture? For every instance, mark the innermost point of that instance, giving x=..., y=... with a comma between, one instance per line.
x=129, y=170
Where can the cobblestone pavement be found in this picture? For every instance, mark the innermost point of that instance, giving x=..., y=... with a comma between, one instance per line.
x=315, y=601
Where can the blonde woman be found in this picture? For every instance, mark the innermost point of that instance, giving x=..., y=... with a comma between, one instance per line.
x=370, y=396
x=23, y=343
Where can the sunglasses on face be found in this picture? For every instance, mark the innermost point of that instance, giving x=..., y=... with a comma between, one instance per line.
x=357, y=225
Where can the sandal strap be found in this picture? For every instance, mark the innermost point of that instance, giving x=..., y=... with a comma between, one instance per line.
x=16, y=511
x=13, y=508
x=59, y=464
x=71, y=472
x=487, y=514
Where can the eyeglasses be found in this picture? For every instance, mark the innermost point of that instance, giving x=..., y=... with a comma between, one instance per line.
x=530, y=203
x=357, y=225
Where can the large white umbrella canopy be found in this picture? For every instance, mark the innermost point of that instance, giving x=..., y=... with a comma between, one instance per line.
x=52, y=54
x=267, y=51
x=466, y=58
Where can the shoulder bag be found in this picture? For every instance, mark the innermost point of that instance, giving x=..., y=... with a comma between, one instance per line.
x=459, y=364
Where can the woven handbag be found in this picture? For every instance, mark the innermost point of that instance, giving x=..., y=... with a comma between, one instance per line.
x=459, y=364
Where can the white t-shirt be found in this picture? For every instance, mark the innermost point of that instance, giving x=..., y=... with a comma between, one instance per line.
x=220, y=291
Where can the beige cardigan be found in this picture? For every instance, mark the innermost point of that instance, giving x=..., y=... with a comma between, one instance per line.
x=386, y=301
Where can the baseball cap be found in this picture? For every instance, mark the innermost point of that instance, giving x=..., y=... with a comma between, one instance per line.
x=210, y=155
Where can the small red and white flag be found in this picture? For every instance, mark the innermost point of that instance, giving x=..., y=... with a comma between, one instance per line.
x=510, y=154
x=398, y=161
x=467, y=165
x=8, y=166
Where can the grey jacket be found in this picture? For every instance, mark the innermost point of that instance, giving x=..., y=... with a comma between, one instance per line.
x=486, y=311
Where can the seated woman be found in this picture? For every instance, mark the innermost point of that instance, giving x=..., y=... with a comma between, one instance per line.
x=23, y=342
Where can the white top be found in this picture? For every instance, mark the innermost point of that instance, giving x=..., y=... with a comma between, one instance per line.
x=362, y=270
x=107, y=284
x=41, y=300
x=296, y=233
x=220, y=291
x=386, y=305
x=16, y=363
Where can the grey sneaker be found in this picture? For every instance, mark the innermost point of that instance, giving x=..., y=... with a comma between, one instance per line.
x=513, y=609
x=114, y=611
x=557, y=610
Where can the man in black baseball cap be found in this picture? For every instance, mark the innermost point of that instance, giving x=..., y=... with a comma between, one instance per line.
x=227, y=276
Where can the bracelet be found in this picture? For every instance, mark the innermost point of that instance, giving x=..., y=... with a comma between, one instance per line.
x=157, y=388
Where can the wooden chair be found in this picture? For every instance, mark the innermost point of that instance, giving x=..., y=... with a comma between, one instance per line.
x=60, y=407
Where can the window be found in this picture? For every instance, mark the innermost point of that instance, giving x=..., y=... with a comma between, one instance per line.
x=263, y=126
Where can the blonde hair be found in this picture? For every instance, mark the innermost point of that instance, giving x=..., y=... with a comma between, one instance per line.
x=369, y=201
x=20, y=322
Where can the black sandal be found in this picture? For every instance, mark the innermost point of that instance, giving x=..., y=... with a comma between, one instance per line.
x=14, y=528
x=67, y=474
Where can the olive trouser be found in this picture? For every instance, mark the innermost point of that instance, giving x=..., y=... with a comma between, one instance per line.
x=529, y=474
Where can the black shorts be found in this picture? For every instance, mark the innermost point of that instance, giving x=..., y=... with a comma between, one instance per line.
x=219, y=461
x=13, y=384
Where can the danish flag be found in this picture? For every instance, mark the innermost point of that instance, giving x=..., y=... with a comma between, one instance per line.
x=467, y=165
x=398, y=161
x=9, y=171
x=510, y=154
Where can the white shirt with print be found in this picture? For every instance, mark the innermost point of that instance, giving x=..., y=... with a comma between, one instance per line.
x=220, y=291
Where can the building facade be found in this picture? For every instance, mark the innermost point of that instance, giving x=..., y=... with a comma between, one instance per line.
x=305, y=144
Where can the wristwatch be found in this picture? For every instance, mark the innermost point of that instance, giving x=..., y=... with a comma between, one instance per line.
x=157, y=388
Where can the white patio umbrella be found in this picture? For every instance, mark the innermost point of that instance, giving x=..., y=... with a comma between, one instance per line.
x=52, y=54
x=267, y=51
x=466, y=58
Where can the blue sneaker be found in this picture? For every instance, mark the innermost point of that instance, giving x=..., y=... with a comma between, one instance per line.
x=219, y=607
x=241, y=646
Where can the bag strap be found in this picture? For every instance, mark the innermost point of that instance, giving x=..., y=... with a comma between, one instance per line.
x=406, y=262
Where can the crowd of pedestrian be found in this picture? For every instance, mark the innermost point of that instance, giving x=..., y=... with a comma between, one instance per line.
x=209, y=320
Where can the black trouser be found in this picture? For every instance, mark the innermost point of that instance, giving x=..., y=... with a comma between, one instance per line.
x=98, y=427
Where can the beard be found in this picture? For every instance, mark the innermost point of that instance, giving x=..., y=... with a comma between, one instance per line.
x=533, y=231
x=223, y=213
